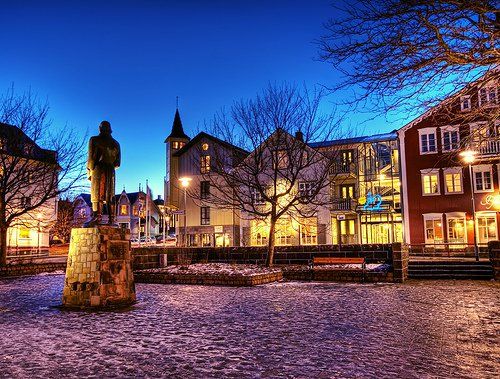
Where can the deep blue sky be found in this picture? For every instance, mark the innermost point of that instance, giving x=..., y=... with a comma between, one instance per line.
x=126, y=61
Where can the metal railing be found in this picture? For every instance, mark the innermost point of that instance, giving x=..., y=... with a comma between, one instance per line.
x=343, y=168
x=488, y=146
x=447, y=250
x=343, y=204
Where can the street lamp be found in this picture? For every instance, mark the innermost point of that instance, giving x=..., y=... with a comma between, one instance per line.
x=469, y=157
x=185, y=183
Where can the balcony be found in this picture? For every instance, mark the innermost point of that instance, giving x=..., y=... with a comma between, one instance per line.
x=343, y=168
x=488, y=146
x=343, y=205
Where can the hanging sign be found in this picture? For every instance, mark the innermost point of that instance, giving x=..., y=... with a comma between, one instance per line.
x=491, y=201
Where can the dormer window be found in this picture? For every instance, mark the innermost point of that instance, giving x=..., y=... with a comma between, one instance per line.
x=465, y=103
x=487, y=96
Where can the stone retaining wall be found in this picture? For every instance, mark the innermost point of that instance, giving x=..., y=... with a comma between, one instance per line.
x=31, y=268
x=145, y=276
x=336, y=275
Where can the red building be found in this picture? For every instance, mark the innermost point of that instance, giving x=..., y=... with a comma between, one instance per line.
x=439, y=150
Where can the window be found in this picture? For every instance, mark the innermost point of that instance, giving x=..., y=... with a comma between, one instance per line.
x=465, y=103
x=205, y=164
x=430, y=182
x=260, y=232
x=281, y=159
x=453, y=180
x=204, y=146
x=347, y=191
x=309, y=232
x=25, y=202
x=456, y=228
x=24, y=233
x=483, y=178
x=205, y=215
x=284, y=231
x=206, y=239
x=450, y=138
x=487, y=96
x=347, y=228
x=433, y=228
x=427, y=140
x=176, y=145
x=124, y=209
x=257, y=197
x=135, y=210
x=486, y=228
x=204, y=189
x=306, y=189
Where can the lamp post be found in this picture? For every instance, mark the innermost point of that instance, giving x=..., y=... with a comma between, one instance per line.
x=469, y=157
x=185, y=184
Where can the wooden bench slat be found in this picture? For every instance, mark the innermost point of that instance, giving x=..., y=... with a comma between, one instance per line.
x=327, y=260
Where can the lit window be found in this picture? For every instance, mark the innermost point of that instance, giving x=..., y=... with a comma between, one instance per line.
x=123, y=209
x=175, y=145
x=260, y=232
x=205, y=164
x=284, y=231
x=453, y=180
x=427, y=141
x=309, y=231
x=24, y=233
x=433, y=225
x=483, y=179
x=487, y=228
x=430, y=182
x=465, y=103
x=347, y=228
x=450, y=138
x=456, y=229
x=204, y=147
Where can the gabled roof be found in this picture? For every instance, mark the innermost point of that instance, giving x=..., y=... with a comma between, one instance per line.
x=85, y=197
x=203, y=135
x=177, y=129
x=363, y=139
x=16, y=143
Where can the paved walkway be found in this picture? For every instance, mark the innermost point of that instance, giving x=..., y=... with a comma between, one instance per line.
x=446, y=329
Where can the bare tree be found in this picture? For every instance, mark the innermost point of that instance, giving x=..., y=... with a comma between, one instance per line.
x=65, y=220
x=32, y=177
x=409, y=55
x=276, y=128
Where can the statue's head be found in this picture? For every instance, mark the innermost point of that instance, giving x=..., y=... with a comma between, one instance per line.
x=105, y=128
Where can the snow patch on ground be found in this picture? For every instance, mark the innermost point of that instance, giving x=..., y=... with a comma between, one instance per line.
x=216, y=268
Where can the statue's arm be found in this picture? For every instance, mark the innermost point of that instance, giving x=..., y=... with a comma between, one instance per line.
x=118, y=157
x=90, y=159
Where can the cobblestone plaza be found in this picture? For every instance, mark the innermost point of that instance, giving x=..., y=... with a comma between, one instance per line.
x=290, y=329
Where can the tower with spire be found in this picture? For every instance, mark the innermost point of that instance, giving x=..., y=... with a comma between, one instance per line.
x=174, y=142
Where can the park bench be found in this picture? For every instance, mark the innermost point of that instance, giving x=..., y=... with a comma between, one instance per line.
x=338, y=261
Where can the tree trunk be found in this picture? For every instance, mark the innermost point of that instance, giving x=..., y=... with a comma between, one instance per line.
x=3, y=245
x=272, y=242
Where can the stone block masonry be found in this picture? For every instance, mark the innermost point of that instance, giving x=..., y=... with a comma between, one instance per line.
x=99, y=271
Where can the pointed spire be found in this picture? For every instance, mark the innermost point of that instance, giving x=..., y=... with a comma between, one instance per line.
x=177, y=129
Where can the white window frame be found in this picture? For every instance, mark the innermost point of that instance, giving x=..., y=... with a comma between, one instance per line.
x=482, y=168
x=257, y=198
x=490, y=215
x=432, y=171
x=427, y=131
x=488, y=88
x=306, y=188
x=465, y=99
x=455, y=216
x=453, y=171
x=309, y=238
x=450, y=129
x=433, y=217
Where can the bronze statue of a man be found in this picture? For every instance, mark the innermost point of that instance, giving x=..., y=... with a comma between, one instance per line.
x=104, y=158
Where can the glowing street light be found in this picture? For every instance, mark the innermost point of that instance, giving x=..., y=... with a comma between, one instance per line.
x=185, y=183
x=469, y=157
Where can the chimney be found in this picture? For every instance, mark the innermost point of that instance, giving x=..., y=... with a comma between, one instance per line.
x=299, y=135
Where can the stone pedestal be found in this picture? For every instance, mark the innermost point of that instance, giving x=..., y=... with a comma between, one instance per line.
x=99, y=270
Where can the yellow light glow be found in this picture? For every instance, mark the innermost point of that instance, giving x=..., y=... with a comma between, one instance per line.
x=185, y=181
x=468, y=156
x=381, y=176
